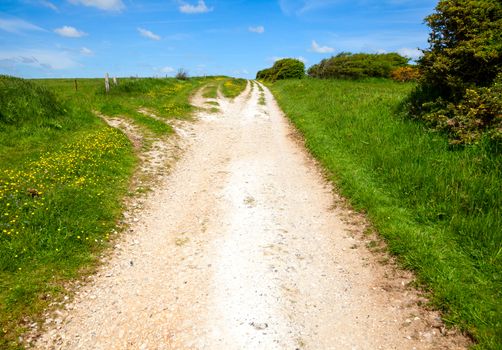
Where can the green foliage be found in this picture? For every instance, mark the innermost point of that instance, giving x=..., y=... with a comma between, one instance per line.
x=287, y=68
x=459, y=85
x=21, y=102
x=403, y=74
x=182, y=74
x=439, y=210
x=356, y=66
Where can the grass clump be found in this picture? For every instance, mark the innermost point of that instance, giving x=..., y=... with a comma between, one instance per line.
x=233, y=87
x=438, y=207
x=210, y=91
x=261, y=100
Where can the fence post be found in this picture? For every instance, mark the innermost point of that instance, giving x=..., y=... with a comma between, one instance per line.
x=76, y=86
x=107, y=83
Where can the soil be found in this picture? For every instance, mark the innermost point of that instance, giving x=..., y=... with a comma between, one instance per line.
x=243, y=244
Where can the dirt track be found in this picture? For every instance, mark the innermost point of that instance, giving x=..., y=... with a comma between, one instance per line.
x=242, y=246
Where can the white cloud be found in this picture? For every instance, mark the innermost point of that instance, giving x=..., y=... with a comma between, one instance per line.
x=320, y=49
x=69, y=32
x=413, y=54
x=49, y=4
x=53, y=60
x=258, y=29
x=148, y=34
x=86, y=52
x=107, y=5
x=17, y=25
x=201, y=7
x=167, y=69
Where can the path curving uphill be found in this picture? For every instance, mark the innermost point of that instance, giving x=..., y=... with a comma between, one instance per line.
x=242, y=246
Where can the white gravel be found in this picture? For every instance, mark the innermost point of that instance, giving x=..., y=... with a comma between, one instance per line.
x=244, y=245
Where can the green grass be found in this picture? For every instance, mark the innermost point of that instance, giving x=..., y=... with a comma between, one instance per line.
x=439, y=208
x=63, y=174
x=232, y=87
x=77, y=169
x=166, y=98
x=210, y=91
x=261, y=100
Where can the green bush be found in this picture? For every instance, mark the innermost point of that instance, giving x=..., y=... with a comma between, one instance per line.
x=403, y=74
x=355, y=66
x=476, y=115
x=287, y=68
x=461, y=72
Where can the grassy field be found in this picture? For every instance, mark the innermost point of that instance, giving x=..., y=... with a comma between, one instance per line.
x=439, y=208
x=63, y=174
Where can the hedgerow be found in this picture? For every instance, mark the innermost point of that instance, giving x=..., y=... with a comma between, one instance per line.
x=355, y=66
x=287, y=68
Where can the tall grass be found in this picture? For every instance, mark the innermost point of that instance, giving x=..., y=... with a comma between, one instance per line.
x=438, y=207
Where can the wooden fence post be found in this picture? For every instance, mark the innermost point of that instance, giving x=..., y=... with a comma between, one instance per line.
x=76, y=86
x=107, y=83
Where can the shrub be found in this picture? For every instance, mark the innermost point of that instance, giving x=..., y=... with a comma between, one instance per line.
x=479, y=113
x=182, y=74
x=287, y=68
x=461, y=71
x=403, y=74
x=355, y=66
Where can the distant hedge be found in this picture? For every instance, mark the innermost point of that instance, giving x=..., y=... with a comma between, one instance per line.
x=360, y=65
x=287, y=68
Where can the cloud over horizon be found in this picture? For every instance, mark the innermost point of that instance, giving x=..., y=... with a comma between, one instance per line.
x=413, y=54
x=46, y=59
x=320, y=49
x=201, y=7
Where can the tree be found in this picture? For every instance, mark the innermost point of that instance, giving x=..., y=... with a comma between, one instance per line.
x=462, y=66
x=287, y=68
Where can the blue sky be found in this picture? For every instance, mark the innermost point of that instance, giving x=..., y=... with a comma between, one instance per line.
x=87, y=38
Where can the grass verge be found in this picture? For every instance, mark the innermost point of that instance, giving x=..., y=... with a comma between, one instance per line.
x=439, y=208
x=63, y=174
